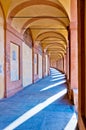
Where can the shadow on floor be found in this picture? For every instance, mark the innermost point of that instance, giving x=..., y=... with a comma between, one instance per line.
x=53, y=112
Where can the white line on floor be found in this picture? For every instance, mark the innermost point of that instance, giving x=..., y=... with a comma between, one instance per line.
x=51, y=86
x=35, y=110
x=72, y=123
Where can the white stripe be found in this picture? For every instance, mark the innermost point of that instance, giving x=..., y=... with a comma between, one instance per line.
x=57, y=76
x=35, y=110
x=56, y=79
x=51, y=86
x=72, y=123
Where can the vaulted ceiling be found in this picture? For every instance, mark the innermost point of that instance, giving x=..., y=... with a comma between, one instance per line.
x=48, y=21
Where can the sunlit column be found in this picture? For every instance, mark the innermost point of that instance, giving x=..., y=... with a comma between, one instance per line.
x=67, y=63
x=43, y=64
x=73, y=46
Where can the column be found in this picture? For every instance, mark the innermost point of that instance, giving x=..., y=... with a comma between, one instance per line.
x=67, y=63
x=43, y=64
x=73, y=54
x=74, y=45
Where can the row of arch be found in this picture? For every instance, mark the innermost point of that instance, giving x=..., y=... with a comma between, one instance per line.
x=57, y=42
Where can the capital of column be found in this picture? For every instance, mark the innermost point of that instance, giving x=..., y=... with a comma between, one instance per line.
x=44, y=52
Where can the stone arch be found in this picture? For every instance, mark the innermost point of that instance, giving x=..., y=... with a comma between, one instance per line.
x=53, y=32
x=30, y=3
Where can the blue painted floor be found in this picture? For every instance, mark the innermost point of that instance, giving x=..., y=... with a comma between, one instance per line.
x=54, y=116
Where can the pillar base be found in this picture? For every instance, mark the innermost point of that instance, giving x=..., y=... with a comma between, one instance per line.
x=75, y=98
x=73, y=95
x=70, y=92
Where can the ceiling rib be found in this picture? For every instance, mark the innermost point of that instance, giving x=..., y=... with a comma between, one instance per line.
x=58, y=29
x=40, y=17
x=48, y=28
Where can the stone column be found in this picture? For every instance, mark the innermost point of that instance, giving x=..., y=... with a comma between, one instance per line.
x=43, y=64
x=73, y=45
x=67, y=63
x=73, y=56
x=73, y=53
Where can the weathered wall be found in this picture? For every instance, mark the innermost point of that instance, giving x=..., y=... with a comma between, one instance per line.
x=1, y=55
x=14, y=61
x=13, y=37
x=27, y=64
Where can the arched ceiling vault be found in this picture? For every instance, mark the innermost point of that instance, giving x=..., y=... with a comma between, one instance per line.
x=36, y=19
x=56, y=56
x=57, y=45
x=51, y=33
x=48, y=21
x=49, y=38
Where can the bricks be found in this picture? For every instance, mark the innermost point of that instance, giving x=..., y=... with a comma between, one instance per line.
x=12, y=37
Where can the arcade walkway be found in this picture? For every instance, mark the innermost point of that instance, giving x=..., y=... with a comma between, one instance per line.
x=41, y=106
